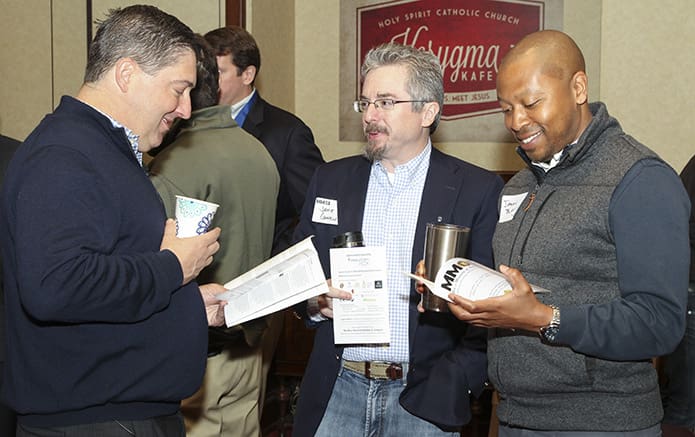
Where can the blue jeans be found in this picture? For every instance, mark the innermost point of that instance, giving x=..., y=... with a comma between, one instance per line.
x=678, y=392
x=369, y=408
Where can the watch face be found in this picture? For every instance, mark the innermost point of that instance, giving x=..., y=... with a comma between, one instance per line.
x=550, y=332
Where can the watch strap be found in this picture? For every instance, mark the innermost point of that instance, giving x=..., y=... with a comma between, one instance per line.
x=549, y=332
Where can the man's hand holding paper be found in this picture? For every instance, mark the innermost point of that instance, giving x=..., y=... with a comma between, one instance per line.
x=214, y=307
x=325, y=301
x=465, y=278
x=482, y=297
x=518, y=309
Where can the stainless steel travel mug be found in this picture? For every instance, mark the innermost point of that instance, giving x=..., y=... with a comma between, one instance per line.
x=442, y=242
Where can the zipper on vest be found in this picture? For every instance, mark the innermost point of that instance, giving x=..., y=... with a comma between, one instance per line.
x=520, y=256
x=532, y=197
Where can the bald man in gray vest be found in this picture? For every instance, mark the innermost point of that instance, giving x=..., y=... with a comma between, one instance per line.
x=601, y=221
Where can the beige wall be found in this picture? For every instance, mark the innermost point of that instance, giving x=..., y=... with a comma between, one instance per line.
x=647, y=73
x=645, y=57
x=273, y=31
x=644, y=51
x=43, y=51
x=26, y=65
x=199, y=15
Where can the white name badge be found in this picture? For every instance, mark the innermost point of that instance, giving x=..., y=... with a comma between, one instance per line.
x=325, y=211
x=510, y=205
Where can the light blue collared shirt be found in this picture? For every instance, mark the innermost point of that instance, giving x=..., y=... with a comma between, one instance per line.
x=390, y=220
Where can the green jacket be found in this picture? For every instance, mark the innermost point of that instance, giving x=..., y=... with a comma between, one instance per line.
x=213, y=159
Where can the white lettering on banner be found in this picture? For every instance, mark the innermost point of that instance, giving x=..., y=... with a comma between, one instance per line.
x=483, y=59
x=416, y=15
x=483, y=96
x=501, y=17
x=388, y=22
x=458, y=12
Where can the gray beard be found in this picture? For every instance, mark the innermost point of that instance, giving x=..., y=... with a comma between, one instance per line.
x=373, y=154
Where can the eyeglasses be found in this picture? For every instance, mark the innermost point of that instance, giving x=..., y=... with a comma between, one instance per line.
x=380, y=104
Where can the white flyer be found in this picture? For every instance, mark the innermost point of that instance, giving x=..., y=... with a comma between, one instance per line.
x=365, y=318
x=469, y=279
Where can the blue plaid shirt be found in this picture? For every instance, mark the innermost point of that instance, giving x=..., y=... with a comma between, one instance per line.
x=390, y=219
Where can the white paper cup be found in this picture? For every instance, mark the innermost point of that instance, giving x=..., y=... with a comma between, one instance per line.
x=193, y=216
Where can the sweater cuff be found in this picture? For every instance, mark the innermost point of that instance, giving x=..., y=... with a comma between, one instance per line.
x=571, y=322
x=172, y=267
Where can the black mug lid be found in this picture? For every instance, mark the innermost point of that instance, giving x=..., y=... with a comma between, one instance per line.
x=348, y=239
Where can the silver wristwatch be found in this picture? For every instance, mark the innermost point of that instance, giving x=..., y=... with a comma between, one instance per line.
x=550, y=331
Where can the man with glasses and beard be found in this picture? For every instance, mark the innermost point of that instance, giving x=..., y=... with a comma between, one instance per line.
x=420, y=383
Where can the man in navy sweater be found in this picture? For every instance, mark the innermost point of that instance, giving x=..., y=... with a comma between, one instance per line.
x=106, y=327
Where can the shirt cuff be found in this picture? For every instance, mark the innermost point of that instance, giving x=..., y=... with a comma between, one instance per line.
x=312, y=310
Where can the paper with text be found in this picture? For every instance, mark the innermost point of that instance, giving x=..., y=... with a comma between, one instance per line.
x=365, y=318
x=292, y=276
x=468, y=279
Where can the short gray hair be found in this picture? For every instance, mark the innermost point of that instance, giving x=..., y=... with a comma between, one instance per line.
x=151, y=37
x=425, y=81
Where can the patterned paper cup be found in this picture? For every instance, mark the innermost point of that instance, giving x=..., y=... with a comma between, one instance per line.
x=193, y=216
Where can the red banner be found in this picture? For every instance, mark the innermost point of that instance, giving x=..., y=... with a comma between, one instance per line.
x=469, y=37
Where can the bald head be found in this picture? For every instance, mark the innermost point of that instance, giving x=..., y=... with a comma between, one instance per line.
x=555, y=52
x=542, y=90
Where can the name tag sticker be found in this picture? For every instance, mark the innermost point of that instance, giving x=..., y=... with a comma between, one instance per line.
x=325, y=211
x=510, y=205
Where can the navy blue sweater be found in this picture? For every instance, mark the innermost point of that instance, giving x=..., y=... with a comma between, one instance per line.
x=99, y=327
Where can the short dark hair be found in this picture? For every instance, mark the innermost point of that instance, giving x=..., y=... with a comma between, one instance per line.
x=236, y=41
x=151, y=37
x=207, y=88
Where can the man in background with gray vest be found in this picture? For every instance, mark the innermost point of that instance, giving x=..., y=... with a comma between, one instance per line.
x=601, y=222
